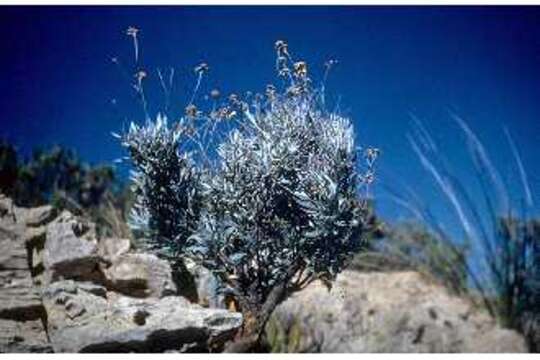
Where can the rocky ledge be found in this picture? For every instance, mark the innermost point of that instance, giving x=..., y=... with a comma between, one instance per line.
x=62, y=289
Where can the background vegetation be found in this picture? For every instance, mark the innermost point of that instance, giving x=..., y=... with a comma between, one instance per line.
x=57, y=176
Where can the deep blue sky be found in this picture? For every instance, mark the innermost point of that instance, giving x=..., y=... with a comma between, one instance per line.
x=57, y=81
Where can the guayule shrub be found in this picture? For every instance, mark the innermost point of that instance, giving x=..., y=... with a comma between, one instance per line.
x=282, y=208
x=267, y=197
x=285, y=194
x=166, y=185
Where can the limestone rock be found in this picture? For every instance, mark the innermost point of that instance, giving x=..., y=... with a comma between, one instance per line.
x=13, y=255
x=21, y=310
x=52, y=275
x=71, y=249
x=112, y=248
x=7, y=208
x=97, y=296
x=38, y=216
x=35, y=237
x=85, y=318
x=23, y=337
x=141, y=275
x=18, y=298
x=386, y=312
x=69, y=304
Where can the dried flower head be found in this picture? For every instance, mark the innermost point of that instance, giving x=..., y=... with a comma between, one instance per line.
x=330, y=63
x=201, y=68
x=191, y=111
x=223, y=113
x=215, y=94
x=281, y=47
x=371, y=155
x=368, y=177
x=300, y=69
x=230, y=114
x=140, y=75
x=132, y=31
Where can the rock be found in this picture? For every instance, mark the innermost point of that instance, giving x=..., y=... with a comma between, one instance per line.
x=386, y=312
x=141, y=275
x=35, y=237
x=31, y=217
x=6, y=208
x=13, y=255
x=70, y=250
x=38, y=216
x=52, y=276
x=71, y=304
x=112, y=248
x=97, y=296
x=21, y=310
x=23, y=337
x=18, y=298
x=83, y=317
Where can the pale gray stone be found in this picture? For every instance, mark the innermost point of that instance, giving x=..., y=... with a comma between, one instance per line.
x=23, y=337
x=18, y=299
x=70, y=250
x=387, y=312
x=141, y=275
x=85, y=318
x=21, y=310
x=112, y=248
